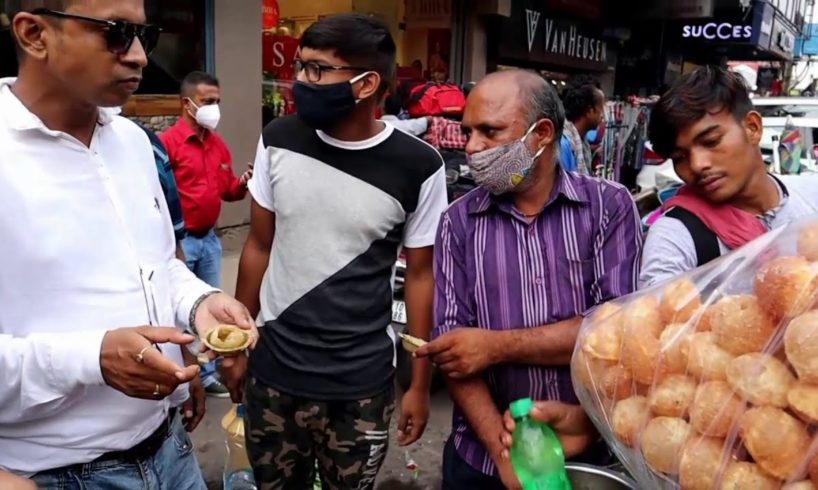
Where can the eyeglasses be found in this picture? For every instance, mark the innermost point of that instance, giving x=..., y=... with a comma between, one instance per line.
x=315, y=70
x=119, y=34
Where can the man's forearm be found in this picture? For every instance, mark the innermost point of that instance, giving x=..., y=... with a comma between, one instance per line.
x=418, y=293
x=473, y=398
x=252, y=266
x=550, y=345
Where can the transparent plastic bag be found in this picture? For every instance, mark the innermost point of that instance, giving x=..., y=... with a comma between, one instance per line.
x=710, y=382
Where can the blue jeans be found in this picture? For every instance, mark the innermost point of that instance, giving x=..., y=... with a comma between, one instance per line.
x=173, y=467
x=204, y=258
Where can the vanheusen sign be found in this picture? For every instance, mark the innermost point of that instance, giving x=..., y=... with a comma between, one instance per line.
x=563, y=39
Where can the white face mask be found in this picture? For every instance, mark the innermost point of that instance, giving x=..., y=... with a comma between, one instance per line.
x=207, y=116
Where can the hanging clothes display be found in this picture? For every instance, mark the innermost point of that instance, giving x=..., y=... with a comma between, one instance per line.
x=623, y=145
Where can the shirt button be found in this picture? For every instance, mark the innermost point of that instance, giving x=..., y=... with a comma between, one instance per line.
x=539, y=281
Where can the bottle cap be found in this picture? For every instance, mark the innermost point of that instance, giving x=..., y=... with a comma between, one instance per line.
x=521, y=408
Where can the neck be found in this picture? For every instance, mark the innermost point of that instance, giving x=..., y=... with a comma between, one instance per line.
x=582, y=127
x=761, y=195
x=57, y=111
x=200, y=131
x=359, y=126
x=533, y=199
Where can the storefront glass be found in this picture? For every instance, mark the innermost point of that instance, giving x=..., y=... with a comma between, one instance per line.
x=181, y=49
x=421, y=29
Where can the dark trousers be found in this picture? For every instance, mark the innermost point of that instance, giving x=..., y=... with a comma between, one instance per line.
x=459, y=475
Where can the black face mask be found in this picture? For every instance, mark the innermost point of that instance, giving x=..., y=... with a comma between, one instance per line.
x=322, y=106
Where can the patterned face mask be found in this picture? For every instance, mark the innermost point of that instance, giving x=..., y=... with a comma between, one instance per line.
x=502, y=169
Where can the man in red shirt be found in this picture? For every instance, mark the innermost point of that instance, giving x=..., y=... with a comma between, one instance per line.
x=204, y=175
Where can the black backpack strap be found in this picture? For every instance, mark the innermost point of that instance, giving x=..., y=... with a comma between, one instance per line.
x=707, y=243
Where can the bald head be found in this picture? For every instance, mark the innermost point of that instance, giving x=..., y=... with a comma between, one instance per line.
x=533, y=97
x=509, y=105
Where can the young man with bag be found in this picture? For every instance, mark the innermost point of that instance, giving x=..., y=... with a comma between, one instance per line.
x=707, y=125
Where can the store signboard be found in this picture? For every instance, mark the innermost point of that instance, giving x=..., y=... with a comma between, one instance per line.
x=269, y=14
x=540, y=38
x=724, y=31
x=754, y=29
x=808, y=46
x=278, y=54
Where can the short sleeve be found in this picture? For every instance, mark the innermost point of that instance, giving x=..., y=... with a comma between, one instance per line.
x=421, y=226
x=669, y=252
x=261, y=185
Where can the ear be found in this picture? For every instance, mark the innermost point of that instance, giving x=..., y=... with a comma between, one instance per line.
x=32, y=34
x=369, y=85
x=754, y=127
x=544, y=133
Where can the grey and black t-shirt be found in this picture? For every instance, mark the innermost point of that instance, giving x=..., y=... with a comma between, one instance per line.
x=343, y=211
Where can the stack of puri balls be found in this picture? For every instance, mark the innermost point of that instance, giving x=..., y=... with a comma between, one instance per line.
x=712, y=391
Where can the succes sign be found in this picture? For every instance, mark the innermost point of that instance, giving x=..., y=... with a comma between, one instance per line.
x=724, y=31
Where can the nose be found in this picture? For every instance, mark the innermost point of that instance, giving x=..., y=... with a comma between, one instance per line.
x=476, y=144
x=136, y=55
x=699, y=161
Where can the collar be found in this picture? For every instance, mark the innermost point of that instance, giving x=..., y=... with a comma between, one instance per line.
x=784, y=197
x=18, y=116
x=782, y=188
x=186, y=131
x=565, y=187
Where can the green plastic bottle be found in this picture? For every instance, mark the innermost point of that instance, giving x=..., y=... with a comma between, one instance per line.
x=536, y=454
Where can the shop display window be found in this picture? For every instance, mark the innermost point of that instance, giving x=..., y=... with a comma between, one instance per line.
x=422, y=32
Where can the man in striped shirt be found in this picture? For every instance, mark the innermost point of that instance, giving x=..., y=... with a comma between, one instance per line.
x=518, y=262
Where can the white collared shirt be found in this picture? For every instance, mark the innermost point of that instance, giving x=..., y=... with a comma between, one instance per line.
x=86, y=247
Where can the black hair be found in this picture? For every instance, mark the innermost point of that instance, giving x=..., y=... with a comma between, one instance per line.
x=196, y=78
x=580, y=96
x=358, y=39
x=708, y=90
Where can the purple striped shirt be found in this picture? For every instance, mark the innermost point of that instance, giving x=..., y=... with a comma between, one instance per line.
x=495, y=270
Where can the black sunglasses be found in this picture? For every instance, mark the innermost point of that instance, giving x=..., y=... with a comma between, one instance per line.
x=119, y=34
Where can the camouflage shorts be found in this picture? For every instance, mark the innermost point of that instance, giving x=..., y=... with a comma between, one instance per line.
x=286, y=434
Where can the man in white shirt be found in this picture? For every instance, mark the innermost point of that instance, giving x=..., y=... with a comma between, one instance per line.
x=87, y=266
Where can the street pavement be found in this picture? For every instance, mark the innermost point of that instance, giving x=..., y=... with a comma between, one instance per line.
x=209, y=438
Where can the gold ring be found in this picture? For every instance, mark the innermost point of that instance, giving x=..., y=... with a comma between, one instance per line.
x=156, y=391
x=140, y=358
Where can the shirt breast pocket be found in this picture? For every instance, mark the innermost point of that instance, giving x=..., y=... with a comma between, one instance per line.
x=579, y=275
